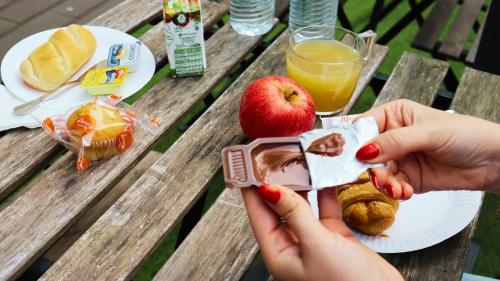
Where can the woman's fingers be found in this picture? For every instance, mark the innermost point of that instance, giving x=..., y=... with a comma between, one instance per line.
x=395, y=114
x=293, y=209
x=265, y=223
x=330, y=214
x=328, y=205
x=395, y=144
x=278, y=244
x=395, y=186
x=263, y=219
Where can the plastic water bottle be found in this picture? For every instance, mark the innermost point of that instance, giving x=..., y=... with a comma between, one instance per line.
x=252, y=17
x=312, y=12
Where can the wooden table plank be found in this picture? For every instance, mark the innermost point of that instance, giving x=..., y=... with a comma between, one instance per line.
x=36, y=218
x=471, y=55
x=478, y=94
x=428, y=35
x=129, y=15
x=21, y=149
x=228, y=244
x=70, y=236
x=414, y=77
x=23, y=153
x=113, y=252
x=454, y=41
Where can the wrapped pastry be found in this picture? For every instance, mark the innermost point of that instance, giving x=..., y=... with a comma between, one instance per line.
x=365, y=208
x=96, y=130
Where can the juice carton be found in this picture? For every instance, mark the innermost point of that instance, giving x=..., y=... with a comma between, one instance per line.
x=184, y=37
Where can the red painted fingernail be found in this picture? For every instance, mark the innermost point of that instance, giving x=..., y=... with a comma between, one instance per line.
x=373, y=178
x=269, y=193
x=368, y=152
x=388, y=190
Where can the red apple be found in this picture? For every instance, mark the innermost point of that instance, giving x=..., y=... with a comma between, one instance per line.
x=276, y=106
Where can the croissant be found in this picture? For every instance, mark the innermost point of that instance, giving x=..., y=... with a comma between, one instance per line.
x=365, y=208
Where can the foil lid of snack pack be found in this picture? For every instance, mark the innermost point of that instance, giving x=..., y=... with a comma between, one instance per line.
x=330, y=152
x=315, y=160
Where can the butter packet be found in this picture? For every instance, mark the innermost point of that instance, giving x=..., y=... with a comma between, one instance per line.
x=124, y=54
x=105, y=81
x=330, y=152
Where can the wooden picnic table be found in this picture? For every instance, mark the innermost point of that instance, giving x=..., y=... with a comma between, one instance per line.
x=103, y=224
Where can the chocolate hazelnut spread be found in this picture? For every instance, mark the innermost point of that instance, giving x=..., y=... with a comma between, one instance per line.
x=329, y=145
x=280, y=164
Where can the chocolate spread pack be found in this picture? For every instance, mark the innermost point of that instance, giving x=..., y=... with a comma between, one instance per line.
x=315, y=160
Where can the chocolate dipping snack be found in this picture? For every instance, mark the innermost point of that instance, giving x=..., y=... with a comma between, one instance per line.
x=267, y=160
x=315, y=160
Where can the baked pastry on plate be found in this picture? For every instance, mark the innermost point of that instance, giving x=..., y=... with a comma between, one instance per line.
x=365, y=208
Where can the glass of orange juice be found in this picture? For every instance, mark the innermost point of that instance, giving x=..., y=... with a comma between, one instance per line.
x=327, y=62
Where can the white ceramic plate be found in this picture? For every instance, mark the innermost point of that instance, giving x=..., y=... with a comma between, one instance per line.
x=425, y=220
x=105, y=38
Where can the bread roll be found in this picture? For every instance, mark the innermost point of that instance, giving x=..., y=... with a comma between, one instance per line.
x=57, y=60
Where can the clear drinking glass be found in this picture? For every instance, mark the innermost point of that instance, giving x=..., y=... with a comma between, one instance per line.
x=327, y=62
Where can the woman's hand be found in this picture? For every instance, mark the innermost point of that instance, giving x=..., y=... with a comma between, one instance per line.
x=429, y=149
x=304, y=248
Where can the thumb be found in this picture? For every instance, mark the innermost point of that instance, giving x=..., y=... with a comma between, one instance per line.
x=394, y=144
x=293, y=209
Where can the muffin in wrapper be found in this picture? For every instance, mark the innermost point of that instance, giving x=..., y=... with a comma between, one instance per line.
x=97, y=129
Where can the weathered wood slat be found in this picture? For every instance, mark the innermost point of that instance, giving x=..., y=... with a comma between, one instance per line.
x=38, y=217
x=454, y=41
x=208, y=242
x=471, y=55
x=478, y=94
x=60, y=247
x=129, y=15
x=428, y=35
x=23, y=151
x=414, y=77
x=220, y=247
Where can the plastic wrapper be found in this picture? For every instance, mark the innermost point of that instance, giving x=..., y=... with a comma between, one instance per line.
x=98, y=129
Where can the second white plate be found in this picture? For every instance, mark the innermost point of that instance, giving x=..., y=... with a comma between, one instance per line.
x=425, y=220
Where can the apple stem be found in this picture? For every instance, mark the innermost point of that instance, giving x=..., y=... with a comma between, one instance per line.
x=290, y=94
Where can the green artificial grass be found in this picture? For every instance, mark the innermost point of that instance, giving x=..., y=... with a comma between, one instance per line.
x=358, y=11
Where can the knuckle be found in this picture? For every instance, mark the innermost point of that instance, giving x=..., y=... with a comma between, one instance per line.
x=293, y=209
x=395, y=139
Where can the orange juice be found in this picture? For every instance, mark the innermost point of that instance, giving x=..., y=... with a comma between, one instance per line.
x=327, y=69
